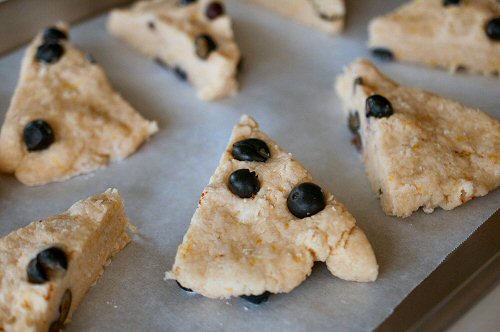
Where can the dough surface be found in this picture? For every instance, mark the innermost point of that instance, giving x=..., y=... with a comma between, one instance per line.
x=238, y=246
x=432, y=152
x=92, y=123
x=90, y=233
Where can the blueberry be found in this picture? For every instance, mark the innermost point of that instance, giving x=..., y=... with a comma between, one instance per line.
x=65, y=306
x=330, y=18
x=244, y=183
x=378, y=107
x=204, y=45
x=353, y=122
x=493, y=29
x=214, y=10
x=358, y=81
x=161, y=63
x=36, y=274
x=256, y=299
x=38, y=135
x=53, y=34
x=48, y=264
x=49, y=52
x=240, y=65
x=451, y=2
x=383, y=54
x=180, y=73
x=56, y=326
x=306, y=200
x=186, y=2
x=189, y=290
x=252, y=149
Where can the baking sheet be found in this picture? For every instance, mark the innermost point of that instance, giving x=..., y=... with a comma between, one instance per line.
x=287, y=86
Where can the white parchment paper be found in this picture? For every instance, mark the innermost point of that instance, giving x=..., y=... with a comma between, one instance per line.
x=287, y=86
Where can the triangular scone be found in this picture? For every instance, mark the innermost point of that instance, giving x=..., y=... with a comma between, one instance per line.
x=65, y=118
x=193, y=38
x=325, y=15
x=460, y=34
x=49, y=265
x=250, y=246
x=419, y=149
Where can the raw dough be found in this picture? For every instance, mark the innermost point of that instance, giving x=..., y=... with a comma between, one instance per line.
x=238, y=246
x=92, y=123
x=432, y=152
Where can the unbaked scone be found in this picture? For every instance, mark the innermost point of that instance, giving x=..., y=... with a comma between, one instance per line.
x=452, y=34
x=65, y=118
x=261, y=224
x=419, y=149
x=192, y=38
x=325, y=15
x=49, y=265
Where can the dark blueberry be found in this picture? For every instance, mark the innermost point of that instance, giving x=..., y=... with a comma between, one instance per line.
x=353, y=122
x=90, y=58
x=330, y=18
x=38, y=135
x=49, y=52
x=383, y=54
x=493, y=29
x=240, y=65
x=306, y=200
x=53, y=258
x=65, y=306
x=151, y=25
x=451, y=2
x=161, y=63
x=204, y=45
x=48, y=264
x=53, y=34
x=180, y=73
x=214, y=10
x=256, y=299
x=378, y=107
x=252, y=149
x=56, y=327
x=356, y=141
x=36, y=274
x=244, y=183
x=189, y=290
x=358, y=81
x=186, y=2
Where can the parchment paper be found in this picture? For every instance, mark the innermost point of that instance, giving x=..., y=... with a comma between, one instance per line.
x=287, y=86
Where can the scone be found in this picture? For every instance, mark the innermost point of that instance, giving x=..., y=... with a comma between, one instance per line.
x=325, y=15
x=192, y=38
x=49, y=265
x=419, y=149
x=65, y=118
x=261, y=224
x=452, y=34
